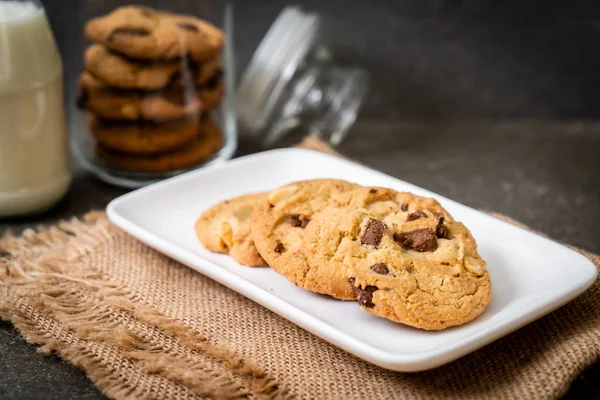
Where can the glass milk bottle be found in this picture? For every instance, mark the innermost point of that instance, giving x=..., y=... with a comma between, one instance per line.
x=34, y=171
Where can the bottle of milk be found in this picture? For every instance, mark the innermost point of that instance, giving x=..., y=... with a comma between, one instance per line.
x=34, y=168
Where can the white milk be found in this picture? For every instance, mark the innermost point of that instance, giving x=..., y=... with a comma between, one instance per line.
x=34, y=171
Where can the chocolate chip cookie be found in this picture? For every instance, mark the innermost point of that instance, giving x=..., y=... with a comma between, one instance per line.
x=147, y=34
x=157, y=106
x=200, y=149
x=403, y=257
x=278, y=225
x=117, y=71
x=144, y=137
x=225, y=228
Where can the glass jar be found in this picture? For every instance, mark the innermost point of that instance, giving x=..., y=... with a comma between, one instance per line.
x=153, y=95
x=34, y=170
x=293, y=82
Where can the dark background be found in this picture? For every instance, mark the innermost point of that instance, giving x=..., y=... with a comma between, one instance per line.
x=492, y=103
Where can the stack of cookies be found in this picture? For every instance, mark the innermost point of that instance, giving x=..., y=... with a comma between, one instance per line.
x=150, y=82
x=400, y=256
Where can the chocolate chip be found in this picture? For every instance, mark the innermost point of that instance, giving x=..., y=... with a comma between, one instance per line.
x=456, y=275
x=295, y=220
x=128, y=31
x=279, y=248
x=299, y=220
x=188, y=27
x=416, y=215
x=5, y=254
x=373, y=191
x=373, y=233
x=440, y=230
x=380, y=268
x=404, y=207
x=363, y=296
x=445, y=263
x=420, y=240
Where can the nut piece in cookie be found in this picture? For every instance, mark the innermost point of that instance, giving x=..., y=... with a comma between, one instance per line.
x=225, y=228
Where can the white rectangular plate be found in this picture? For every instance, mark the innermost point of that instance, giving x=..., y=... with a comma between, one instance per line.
x=531, y=275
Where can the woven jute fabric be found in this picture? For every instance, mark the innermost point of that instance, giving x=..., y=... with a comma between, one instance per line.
x=144, y=326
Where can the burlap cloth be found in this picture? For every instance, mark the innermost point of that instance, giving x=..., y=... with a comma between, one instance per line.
x=143, y=326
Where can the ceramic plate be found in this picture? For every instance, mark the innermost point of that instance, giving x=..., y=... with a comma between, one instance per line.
x=531, y=275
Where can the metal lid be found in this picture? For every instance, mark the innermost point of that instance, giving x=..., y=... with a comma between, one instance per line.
x=285, y=46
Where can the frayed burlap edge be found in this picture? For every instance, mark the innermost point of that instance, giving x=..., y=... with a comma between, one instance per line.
x=67, y=307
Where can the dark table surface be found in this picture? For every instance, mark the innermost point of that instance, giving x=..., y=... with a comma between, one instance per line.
x=490, y=103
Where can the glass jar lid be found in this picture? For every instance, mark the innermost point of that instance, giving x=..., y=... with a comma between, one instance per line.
x=287, y=43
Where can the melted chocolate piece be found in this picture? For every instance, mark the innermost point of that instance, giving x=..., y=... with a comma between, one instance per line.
x=380, y=268
x=419, y=240
x=279, y=248
x=373, y=233
x=299, y=220
x=440, y=230
x=363, y=296
x=416, y=215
